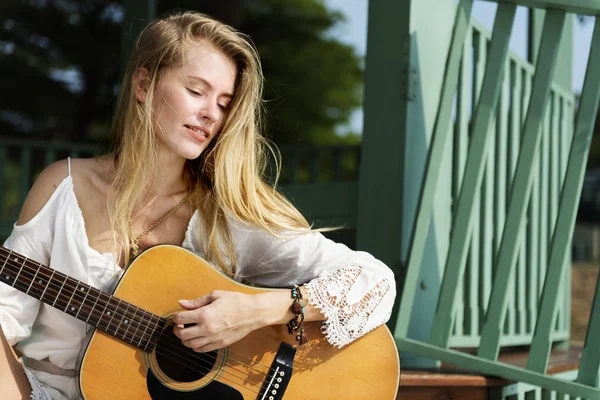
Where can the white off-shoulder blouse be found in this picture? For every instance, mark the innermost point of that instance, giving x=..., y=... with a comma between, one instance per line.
x=352, y=289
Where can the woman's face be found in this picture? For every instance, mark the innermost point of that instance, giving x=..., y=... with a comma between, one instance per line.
x=191, y=102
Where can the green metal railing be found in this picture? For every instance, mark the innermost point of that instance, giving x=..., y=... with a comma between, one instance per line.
x=326, y=172
x=516, y=191
x=488, y=205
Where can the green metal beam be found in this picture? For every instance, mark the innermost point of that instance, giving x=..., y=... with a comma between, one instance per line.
x=567, y=213
x=433, y=166
x=521, y=185
x=381, y=174
x=476, y=162
x=588, y=7
x=495, y=368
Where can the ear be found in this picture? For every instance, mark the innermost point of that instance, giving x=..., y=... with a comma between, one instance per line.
x=141, y=80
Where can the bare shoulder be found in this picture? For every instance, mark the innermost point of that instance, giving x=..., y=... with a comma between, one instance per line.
x=83, y=171
x=91, y=175
x=39, y=194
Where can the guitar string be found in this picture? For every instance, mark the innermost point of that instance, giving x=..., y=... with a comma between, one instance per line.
x=266, y=379
x=206, y=370
x=67, y=279
x=174, y=341
x=128, y=314
x=117, y=313
x=177, y=351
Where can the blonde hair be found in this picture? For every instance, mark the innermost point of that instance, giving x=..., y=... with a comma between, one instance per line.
x=228, y=179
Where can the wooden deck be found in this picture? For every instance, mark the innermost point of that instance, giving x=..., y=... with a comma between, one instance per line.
x=452, y=383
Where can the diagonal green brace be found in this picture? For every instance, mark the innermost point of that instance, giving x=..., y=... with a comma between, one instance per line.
x=590, y=362
x=567, y=213
x=475, y=165
x=521, y=185
x=433, y=166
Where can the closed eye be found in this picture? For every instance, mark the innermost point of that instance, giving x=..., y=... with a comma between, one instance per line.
x=194, y=92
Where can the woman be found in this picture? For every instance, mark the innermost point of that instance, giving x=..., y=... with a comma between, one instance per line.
x=186, y=169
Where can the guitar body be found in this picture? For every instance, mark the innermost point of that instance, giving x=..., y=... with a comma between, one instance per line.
x=112, y=369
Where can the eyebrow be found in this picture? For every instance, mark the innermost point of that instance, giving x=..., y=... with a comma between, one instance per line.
x=206, y=83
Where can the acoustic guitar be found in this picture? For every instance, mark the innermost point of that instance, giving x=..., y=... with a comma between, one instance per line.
x=134, y=354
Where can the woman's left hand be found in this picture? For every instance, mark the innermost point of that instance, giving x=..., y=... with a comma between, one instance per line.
x=217, y=319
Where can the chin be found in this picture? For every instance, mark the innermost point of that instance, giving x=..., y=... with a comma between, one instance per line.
x=191, y=154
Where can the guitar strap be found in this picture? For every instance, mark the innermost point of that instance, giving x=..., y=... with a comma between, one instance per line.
x=46, y=366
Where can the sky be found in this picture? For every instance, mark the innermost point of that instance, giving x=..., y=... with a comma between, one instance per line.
x=354, y=32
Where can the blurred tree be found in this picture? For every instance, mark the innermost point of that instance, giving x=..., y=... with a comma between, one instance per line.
x=60, y=61
x=313, y=81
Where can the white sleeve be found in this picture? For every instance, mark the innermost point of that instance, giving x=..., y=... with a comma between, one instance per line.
x=353, y=290
x=34, y=240
x=18, y=310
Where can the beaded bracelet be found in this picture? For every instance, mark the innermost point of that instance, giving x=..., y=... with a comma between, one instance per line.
x=298, y=308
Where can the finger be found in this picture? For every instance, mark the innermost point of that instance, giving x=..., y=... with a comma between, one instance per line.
x=188, y=333
x=208, y=347
x=197, y=342
x=186, y=317
x=197, y=303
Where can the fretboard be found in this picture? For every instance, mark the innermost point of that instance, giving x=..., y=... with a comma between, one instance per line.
x=118, y=318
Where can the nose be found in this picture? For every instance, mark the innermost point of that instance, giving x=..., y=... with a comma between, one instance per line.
x=209, y=113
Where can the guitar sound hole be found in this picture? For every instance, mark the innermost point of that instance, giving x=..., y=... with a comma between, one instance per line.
x=181, y=363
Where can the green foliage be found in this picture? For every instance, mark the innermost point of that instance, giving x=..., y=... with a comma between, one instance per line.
x=64, y=58
x=313, y=82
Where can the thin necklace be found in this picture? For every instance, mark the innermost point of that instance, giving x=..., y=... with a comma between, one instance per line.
x=154, y=225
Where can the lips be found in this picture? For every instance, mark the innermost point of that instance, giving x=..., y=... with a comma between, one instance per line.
x=198, y=132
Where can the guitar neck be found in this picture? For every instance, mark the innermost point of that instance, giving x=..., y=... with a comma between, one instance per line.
x=118, y=318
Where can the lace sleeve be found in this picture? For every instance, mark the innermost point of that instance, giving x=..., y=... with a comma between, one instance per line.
x=347, y=319
x=352, y=289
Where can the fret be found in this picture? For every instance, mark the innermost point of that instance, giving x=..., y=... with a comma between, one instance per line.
x=155, y=334
x=106, y=314
x=75, y=303
x=136, y=317
x=32, y=281
x=99, y=313
x=59, y=292
x=27, y=278
x=135, y=320
x=86, y=290
x=8, y=275
x=126, y=319
x=18, y=283
x=119, y=330
x=20, y=269
x=46, y=288
x=111, y=312
x=86, y=303
x=69, y=309
x=5, y=261
x=145, y=329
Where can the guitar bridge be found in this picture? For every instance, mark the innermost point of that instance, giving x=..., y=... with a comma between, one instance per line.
x=279, y=375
